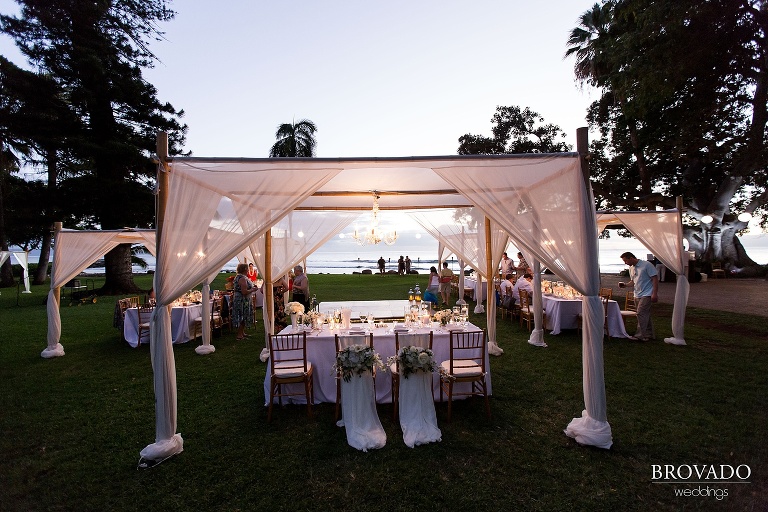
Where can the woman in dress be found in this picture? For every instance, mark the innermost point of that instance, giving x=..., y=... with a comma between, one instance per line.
x=242, y=310
x=433, y=286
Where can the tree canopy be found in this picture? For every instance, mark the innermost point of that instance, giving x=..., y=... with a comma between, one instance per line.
x=295, y=140
x=682, y=112
x=93, y=54
x=515, y=131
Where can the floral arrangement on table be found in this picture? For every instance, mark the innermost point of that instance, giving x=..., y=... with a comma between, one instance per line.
x=312, y=315
x=294, y=308
x=443, y=316
x=356, y=360
x=414, y=359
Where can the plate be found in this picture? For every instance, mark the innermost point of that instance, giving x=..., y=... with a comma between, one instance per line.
x=455, y=327
x=402, y=330
x=356, y=331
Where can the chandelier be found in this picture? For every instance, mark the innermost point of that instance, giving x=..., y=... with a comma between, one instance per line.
x=373, y=234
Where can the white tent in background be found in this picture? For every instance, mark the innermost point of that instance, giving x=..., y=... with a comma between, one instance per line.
x=662, y=233
x=73, y=252
x=463, y=232
x=211, y=209
x=22, y=257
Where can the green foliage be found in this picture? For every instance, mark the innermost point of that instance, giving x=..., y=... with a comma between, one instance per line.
x=73, y=426
x=515, y=131
x=295, y=140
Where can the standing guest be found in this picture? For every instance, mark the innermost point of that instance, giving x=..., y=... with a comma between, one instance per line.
x=523, y=283
x=252, y=274
x=507, y=265
x=445, y=283
x=407, y=265
x=242, y=310
x=401, y=265
x=301, y=287
x=522, y=266
x=433, y=286
x=643, y=276
x=382, y=263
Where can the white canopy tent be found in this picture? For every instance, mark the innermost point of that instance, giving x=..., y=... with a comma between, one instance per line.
x=22, y=257
x=73, y=252
x=662, y=233
x=211, y=209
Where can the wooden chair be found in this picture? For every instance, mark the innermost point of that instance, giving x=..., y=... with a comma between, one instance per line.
x=343, y=342
x=717, y=270
x=526, y=309
x=405, y=340
x=606, y=292
x=466, y=364
x=455, y=286
x=508, y=299
x=630, y=307
x=144, y=315
x=289, y=365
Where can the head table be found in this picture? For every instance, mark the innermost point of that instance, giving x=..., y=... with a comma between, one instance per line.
x=321, y=352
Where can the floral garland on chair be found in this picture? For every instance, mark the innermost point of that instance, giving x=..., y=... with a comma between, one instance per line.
x=414, y=359
x=357, y=359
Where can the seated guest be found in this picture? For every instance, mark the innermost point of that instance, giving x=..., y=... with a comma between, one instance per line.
x=506, y=287
x=523, y=283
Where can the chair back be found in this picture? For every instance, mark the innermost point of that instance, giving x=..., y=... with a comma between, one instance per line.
x=467, y=350
x=606, y=292
x=144, y=314
x=132, y=302
x=348, y=340
x=525, y=301
x=630, y=304
x=288, y=352
x=413, y=340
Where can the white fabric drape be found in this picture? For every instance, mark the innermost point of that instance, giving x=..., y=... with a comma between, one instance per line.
x=358, y=414
x=662, y=233
x=497, y=243
x=213, y=212
x=22, y=257
x=207, y=347
x=537, y=335
x=74, y=251
x=549, y=211
x=418, y=420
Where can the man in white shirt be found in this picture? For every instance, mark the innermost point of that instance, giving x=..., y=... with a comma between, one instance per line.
x=506, y=266
x=645, y=280
x=505, y=288
x=524, y=283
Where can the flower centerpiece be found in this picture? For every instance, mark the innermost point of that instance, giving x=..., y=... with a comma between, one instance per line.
x=414, y=359
x=443, y=316
x=294, y=309
x=356, y=360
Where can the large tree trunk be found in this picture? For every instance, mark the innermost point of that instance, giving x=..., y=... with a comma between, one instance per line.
x=119, y=273
x=45, y=257
x=6, y=271
x=721, y=243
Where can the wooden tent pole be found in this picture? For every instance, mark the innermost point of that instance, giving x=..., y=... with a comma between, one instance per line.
x=269, y=301
x=491, y=291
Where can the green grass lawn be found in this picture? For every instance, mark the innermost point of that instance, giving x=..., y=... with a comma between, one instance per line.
x=71, y=428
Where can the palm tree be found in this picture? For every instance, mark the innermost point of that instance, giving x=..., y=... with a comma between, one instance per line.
x=584, y=42
x=295, y=139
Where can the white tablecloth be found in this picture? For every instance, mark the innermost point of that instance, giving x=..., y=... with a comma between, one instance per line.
x=182, y=323
x=321, y=350
x=471, y=282
x=563, y=313
x=379, y=308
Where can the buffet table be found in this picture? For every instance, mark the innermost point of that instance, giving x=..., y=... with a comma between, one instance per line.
x=321, y=352
x=182, y=324
x=563, y=314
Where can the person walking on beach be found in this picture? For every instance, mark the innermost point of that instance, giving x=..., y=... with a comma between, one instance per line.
x=407, y=265
x=401, y=265
x=643, y=276
x=381, y=263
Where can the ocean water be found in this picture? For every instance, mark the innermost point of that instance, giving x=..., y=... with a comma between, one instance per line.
x=345, y=257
